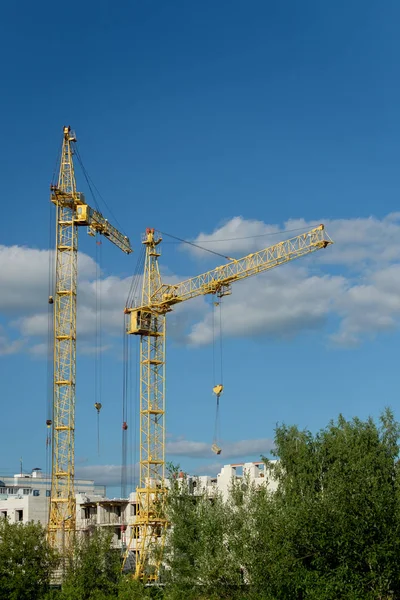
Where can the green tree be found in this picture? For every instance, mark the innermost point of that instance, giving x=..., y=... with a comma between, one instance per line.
x=334, y=531
x=331, y=530
x=93, y=570
x=130, y=589
x=26, y=561
x=197, y=556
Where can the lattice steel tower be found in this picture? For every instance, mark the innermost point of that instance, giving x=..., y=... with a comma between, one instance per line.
x=71, y=212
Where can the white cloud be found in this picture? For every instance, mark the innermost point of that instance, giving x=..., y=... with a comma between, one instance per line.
x=356, y=240
x=356, y=281
x=363, y=295
x=8, y=347
x=24, y=281
x=238, y=235
x=101, y=474
x=369, y=308
x=276, y=304
x=211, y=469
x=191, y=449
x=38, y=350
x=24, y=277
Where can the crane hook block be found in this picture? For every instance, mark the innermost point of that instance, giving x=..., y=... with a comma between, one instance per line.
x=124, y=425
x=97, y=406
x=218, y=389
x=49, y=422
x=51, y=300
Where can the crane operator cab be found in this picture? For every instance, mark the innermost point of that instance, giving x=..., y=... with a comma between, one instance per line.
x=140, y=322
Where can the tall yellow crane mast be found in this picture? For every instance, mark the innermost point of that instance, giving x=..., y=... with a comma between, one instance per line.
x=148, y=321
x=71, y=212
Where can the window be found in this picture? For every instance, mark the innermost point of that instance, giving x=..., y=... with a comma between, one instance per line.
x=26, y=491
x=3, y=514
x=88, y=512
x=134, y=509
x=47, y=493
x=19, y=515
x=36, y=492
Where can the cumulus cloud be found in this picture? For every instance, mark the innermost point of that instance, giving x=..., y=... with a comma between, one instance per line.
x=356, y=281
x=276, y=304
x=211, y=469
x=24, y=281
x=192, y=449
x=24, y=277
x=369, y=307
x=8, y=346
x=357, y=240
x=109, y=475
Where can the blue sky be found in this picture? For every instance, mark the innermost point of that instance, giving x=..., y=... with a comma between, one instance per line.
x=210, y=121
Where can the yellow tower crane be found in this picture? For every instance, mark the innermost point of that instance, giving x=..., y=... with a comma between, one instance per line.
x=148, y=321
x=71, y=212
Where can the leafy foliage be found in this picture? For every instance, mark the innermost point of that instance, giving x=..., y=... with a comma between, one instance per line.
x=26, y=561
x=93, y=571
x=329, y=531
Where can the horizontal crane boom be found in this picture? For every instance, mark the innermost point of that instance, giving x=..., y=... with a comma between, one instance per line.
x=218, y=280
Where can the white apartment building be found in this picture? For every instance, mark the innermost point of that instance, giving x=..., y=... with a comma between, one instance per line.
x=25, y=498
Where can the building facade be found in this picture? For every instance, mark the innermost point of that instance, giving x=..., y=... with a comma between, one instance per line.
x=25, y=498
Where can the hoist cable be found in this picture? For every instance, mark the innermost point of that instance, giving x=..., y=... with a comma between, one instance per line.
x=87, y=178
x=251, y=237
x=216, y=424
x=125, y=378
x=136, y=278
x=98, y=375
x=91, y=184
x=135, y=408
x=98, y=433
x=54, y=179
x=221, y=341
x=50, y=349
x=213, y=342
x=196, y=245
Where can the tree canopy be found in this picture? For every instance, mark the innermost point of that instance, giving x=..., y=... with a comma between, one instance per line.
x=330, y=530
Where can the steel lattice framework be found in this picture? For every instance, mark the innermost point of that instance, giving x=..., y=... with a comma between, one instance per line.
x=71, y=212
x=148, y=321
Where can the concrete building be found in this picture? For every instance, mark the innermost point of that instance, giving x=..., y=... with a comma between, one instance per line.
x=25, y=497
x=93, y=511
